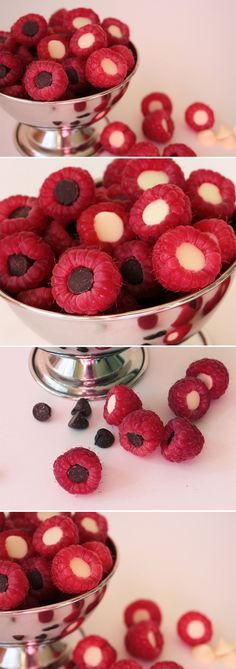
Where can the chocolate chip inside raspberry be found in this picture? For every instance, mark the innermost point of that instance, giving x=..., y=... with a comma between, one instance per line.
x=131, y=271
x=104, y=438
x=18, y=264
x=35, y=579
x=78, y=422
x=66, y=192
x=71, y=228
x=43, y=80
x=171, y=436
x=72, y=75
x=30, y=28
x=82, y=406
x=3, y=583
x=20, y=212
x=2, y=39
x=78, y=474
x=3, y=71
x=42, y=411
x=135, y=439
x=80, y=280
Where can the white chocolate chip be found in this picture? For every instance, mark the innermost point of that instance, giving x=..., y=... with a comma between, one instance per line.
x=193, y=400
x=16, y=547
x=80, y=568
x=116, y=138
x=139, y=615
x=115, y=31
x=223, y=132
x=151, y=178
x=111, y=403
x=90, y=525
x=207, y=137
x=108, y=226
x=229, y=142
x=190, y=257
x=155, y=105
x=155, y=212
x=85, y=41
x=81, y=21
x=195, y=629
x=56, y=49
x=210, y=193
x=200, y=117
x=207, y=379
x=164, y=124
x=203, y=653
x=92, y=656
x=108, y=66
x=152, y=639
x=52, y=536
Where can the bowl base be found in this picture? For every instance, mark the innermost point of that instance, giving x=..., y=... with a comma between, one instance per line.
x=47, y=656
x=64, y=141
x=77, y=375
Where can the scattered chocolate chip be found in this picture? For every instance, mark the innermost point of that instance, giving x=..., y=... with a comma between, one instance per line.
x=20, y=212
x=42, y=411
x=66, y=192
x=30, y=28
x=80, y=280
x=78, y=474
x=3, y=583
x=135, y=439
x=104, y=438
x=18, y=264
x=43, y=80
x=82, y=406
x=132, y=272
x=78, y=422
x=171, y=436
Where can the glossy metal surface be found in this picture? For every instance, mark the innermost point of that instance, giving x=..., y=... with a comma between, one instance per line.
x=75, y=374
x=63, y=127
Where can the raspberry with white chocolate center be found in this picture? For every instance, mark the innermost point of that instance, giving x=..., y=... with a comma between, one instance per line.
x=117, y=138
x=105, y=68
x=103, y=224
x=194, y=628
x=199, y=116
x=189, y=398
x=141, y=174
x=15, y=545
x=211, y=195
x=53, y=534
x=158, y=209
x=76, y=570
x=94, y=651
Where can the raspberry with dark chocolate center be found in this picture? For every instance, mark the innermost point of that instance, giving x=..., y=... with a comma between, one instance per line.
x=135, y=439
x=66, y=192
x=78, y=474
x=30, y=28
x=18, y=264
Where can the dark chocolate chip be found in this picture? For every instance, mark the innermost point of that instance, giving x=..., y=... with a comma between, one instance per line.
x=4, y=71
x=78, y=422
x=66, y=192
x=43, y=79
x=171, y=436
x=78, y=474
x=71, y=228
x=18, y=264
x=35, y=579
x=42, y=411
x=3, y=583
x=104, y=438
x=30, y=28
x=132, y=272
x=20, y=212
x=135, y=439
x=72, y=75
x=80, y=280
x=18, y=637
x=82, y=406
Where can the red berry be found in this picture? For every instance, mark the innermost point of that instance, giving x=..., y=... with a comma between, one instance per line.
x=58, y=18
x=103, y=224
x=158, y=126
x=223, y=234
x=76, y=570
x=117, y=32
x=94, y=651
x=141, y=432
x=135, y=264
x=127, y=54
x=120, y=401
x=105, y=68
x=185, y=259
x=74, y=69
x=92, y=526
x=194, y=628
x=142, y=609
x=87, y=39
x=85, y=281
x=19, y=213
x=78, y=471
x=62, y=237
x=199, y=116
x=211, y=195
x=35, y=518
x=158, y=209
x=29, y=29
x=126, y=664
x=77, y=18
x=156, y=102
x=211, y=372
x=15, y=545
x=65, y=193
x=55, y=47
x=113, y=171
x=53, y=534
x=7, y=42
x=166, y=665
x=181, y=440
x=117, y=138
x=39, y=298
x=15, y=91
x=26, y=261
x=11, y=69
x=45, y=80
x=38, y=572
x=2, y=521
x=142, y=174
x=189, y=398
x=143, y=149
x=144, y=640
x=26, y=55
x=103, y=553
x=14, y=585
x=178, y=150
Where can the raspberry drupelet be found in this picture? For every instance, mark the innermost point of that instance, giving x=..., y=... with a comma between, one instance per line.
x=211, y=195
x=142, y=609
x=156, y=102
x=26, y=262
x=141, y=432
x=135, y=264
x=223, y=234
x=189, y=398
x=14, y=585
x=29, y=29
x=105, y=68
x=158, y=209
x=158, y=126
x=65, y=193
x=120, y=401
x=117, y=138
x=53, y=534
x=76, y=570
x=144, y=640
x=141, y=174
x=92, y=526
x=103, y=225
x=212, y=373
x=45, y=80
x=11, y=69
x=199, y=116
x=94, y=651
x=21, y=213
x=194, y=628
x=117, y=31
x=78, y=471
x=181, y=440
x=88, y=39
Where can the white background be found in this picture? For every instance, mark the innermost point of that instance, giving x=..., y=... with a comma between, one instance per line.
x=187, y=50
x=29, y=448
x=25, y=176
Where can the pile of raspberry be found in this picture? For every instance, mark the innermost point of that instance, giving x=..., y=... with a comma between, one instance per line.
x=142, y=237
x=72, y=55
x=47, y=558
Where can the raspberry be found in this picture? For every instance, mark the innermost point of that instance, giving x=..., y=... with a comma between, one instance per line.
x=181, y=440
x=158, y=209
x=103, y=553
x=19, y=213
x=126, y=664
x=92, y=526
x=113, y=171
x=35, y=518
x=178, y=335
x=85, y=281
x=105, y=68
x=158, y=126
x=142, y=174
x=65, y=193
x=178, y=150
x=142, y=609
x=78, y=471
x=26, y=261
x=45, y=80
x=14, y=585
x=38, y=572
x=76, y=570
x=15, y=91
x=194, y=628
x=141, y=432
x=117, y=138
x=94, y=651
x=7, y=42
x=11, y=69
x=117, y=32
x=58, y=18
x=127, y=54
x=189, y=398
x=26, y=55
x=156, y=102
x=143, y=149
x=14, y=545
x=53, y=534
x=211, y=372
x=211, y=195
x=61, y=238
x=125, y=303
x=223, y=234
x=166, y=665
x=77, y=18
x=103, y=224
x=185, y=259
x=135, y=265
x=144, y=640
x=29, y=30
x=101, y=194
x=54, y=47
x=39, y=298
x=2, y=521
x=88, y=39
x=199, y=116
x=120, y=401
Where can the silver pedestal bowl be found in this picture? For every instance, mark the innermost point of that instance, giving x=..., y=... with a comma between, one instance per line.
x=63, y=128
x=37, y=638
